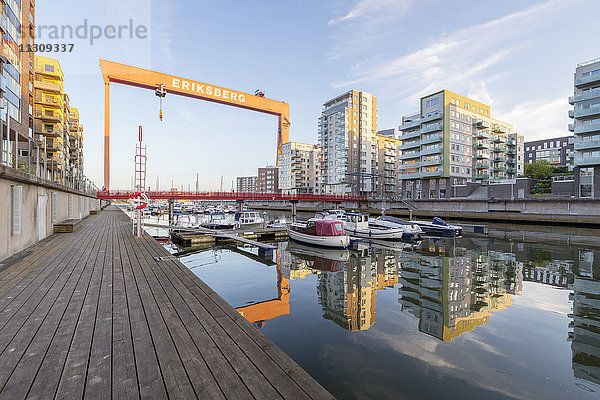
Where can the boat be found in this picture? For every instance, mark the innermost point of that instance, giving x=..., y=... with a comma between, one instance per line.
x=440, y=227
x=217, y=220
x=247, y=218
x=411, y=231
x=323, y=259
x=357, y=224
x=319, y=232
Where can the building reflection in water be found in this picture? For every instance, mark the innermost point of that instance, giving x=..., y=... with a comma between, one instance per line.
x=585, y=334
x=449, y=288
x=452, y=290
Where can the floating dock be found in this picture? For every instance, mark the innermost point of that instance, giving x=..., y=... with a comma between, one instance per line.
x=192, y=237
x=100, y=314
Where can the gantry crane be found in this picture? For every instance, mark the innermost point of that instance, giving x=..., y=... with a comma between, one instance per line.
x=163, y=84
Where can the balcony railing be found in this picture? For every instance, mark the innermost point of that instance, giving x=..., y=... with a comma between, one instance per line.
x=49, y=86
x=432, y=162
x=589, y=112
x=410, y=135
x=587, y=128
x=437, y=149
x=410, y=166
x=410, y=145
x=432, y=128
x=432, y=117
x=587, y=80
x=482, y=176
x=588, y=144
x=591, y=94
x=410, y=124
x=587, y=161
x=431, y=173
x=431, y=139
x=499, y=159
x=482, y=165
x=407, y=156
x=481, y=125
x=414, y=175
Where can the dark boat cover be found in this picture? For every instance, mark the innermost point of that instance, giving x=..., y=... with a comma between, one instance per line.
x=329, y=227
x=439, y=221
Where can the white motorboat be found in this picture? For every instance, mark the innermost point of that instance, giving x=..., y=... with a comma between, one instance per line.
x=319, y=232
x=411, y=231
x=247, y=219
x=217, y=220
x=357, y=224
x=440, y=227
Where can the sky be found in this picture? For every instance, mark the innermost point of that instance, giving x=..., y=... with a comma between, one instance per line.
x=517, y=56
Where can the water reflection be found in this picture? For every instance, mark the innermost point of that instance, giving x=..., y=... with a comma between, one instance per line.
x=457, y=292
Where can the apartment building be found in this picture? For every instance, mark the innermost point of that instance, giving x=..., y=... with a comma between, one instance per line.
x=557, y=151
x=347, y=137
x=17, y=25
x=453, y=140
x=268, y=180
x=246, y=184
x=391, y=132
x=586, y=128
x=299, y=168
x=56, y=126
x=387, y=166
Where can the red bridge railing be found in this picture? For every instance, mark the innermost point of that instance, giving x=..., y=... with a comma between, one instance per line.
x=125, y=194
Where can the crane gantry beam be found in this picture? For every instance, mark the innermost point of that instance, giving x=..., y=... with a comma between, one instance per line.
x=113, y=72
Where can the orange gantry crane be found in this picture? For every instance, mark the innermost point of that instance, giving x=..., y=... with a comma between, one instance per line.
x=113, y=72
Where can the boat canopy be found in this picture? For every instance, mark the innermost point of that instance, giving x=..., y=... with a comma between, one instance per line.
x=329, y=227
x=439, y=221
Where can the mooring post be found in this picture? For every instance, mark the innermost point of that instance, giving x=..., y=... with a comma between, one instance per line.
x=294, y=204
x=171, y=204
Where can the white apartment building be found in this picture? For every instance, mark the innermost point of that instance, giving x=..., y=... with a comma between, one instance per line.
x=299, y=168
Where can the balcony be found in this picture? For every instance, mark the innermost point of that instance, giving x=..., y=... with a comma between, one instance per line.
x=499, y=149
x=587, y=80
x=432, y=128
x=511, y=171
x=499, y=129
x=431, y=173
x=481, y=176
x=481, y=146
x=482, y=165
x=589, y=112
x=435, y=161
x=407, y=156
x=410, y=135
x=49, y=86
x=481, y=125
x=49, y=101
x=414, y=175
x=587, y=161
x=481, y=156
x=571, y=127
x=499, y=169
x=511, y=152
x=571, y=113
x=497, y=139
x=434, y=116
x=511, y=143
x=587, y=128
x=584, y=96
x=40, y=69
x=54, y=132
x=511, y=161
x=482, y=135
x=410, y=166
x=434, y=150
x=48, y=117
x=587, y=144
x=431, y=139
x=499, y=159
x=410, y=145
x=409, y=125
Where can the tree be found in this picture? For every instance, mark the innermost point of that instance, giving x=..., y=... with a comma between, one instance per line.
x=539, y=169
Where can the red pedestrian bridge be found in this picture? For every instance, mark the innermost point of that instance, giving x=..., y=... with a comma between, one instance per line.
x=176, y=195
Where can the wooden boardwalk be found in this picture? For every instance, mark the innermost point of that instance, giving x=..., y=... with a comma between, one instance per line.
x=92, y=314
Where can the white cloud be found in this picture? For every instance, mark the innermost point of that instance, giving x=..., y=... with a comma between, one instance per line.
x=369, y=8
x=539, y=119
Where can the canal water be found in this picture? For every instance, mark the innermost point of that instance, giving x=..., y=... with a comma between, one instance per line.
x=474, y=317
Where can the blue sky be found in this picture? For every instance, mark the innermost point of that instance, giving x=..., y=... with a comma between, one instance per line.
x=517, y=56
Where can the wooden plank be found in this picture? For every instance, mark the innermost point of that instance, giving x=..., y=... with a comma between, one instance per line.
x=124, y=369
x=48, y=349
x=198, y=320
x=150, y=379
x=175, y=377
x=74, y=374
x=35, y=334
x=99, y=372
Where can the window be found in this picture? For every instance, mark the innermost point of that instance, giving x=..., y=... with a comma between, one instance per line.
x=49, y=68
x=54, y=201
x=585, y=190
x=17, y=209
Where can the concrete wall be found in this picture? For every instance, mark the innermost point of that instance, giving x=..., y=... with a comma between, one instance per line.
x=37, y=196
